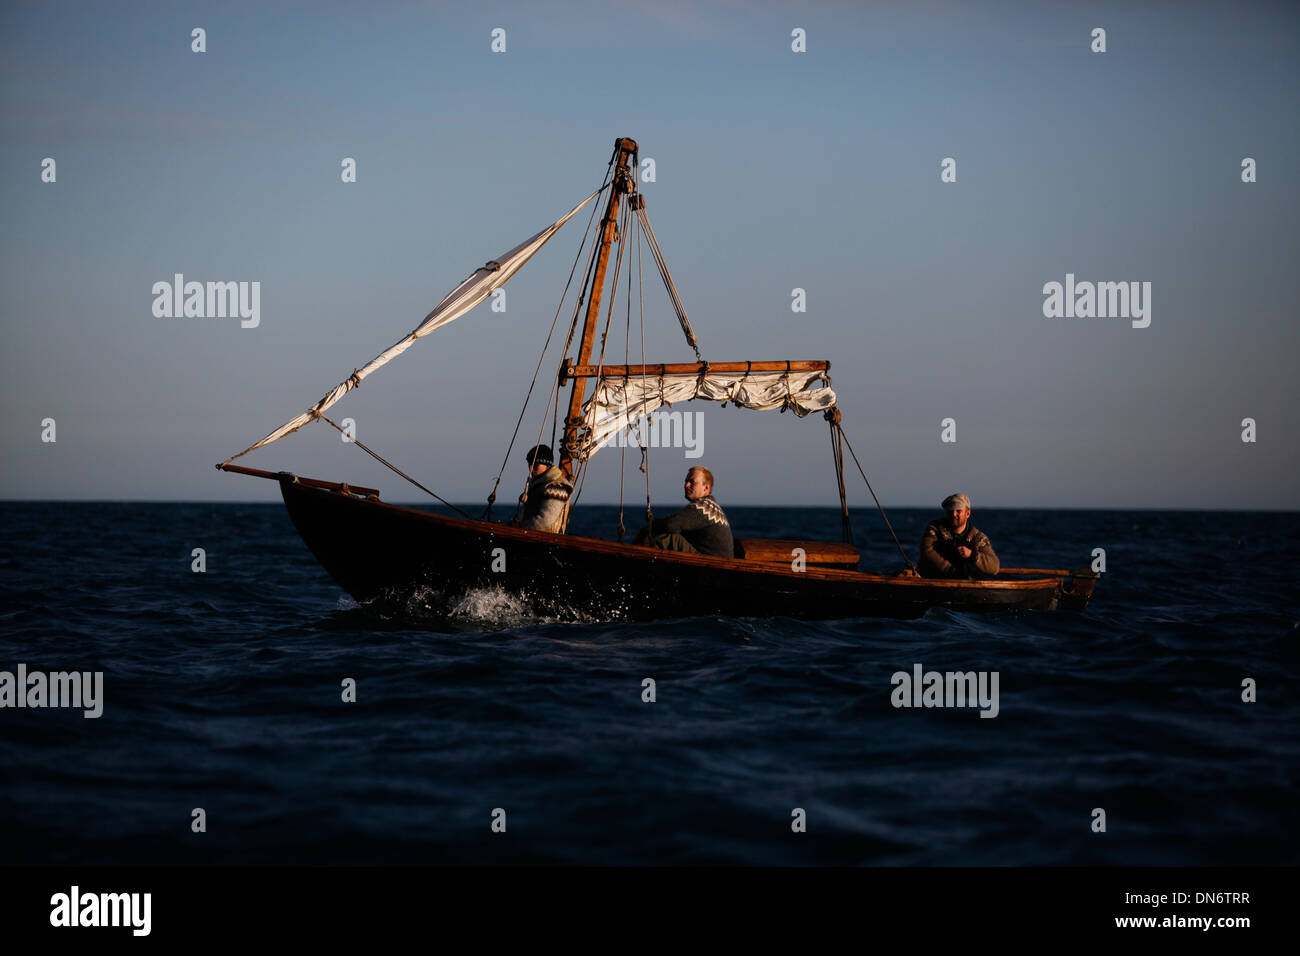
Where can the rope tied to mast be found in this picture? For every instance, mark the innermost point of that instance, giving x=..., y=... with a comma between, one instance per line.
x=835, y=425
x=837, y=451
x=669, y=285
x=627, y=358
x=492, y=495
x=620, y=227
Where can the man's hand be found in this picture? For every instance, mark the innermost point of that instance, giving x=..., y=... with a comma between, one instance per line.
x=964, y=551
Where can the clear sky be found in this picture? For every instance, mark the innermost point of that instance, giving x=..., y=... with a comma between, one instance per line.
x=773, y=170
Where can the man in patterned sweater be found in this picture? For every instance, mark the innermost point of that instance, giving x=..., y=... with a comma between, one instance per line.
x=951, y=547
x=543, y=503
x=699, y=528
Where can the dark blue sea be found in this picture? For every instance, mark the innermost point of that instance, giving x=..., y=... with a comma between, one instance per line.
x=222, y=691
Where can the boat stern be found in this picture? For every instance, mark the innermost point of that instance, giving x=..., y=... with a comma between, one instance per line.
x=1076, y=590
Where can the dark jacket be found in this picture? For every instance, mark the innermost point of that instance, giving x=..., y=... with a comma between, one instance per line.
x=703, y=524
x=940, y=558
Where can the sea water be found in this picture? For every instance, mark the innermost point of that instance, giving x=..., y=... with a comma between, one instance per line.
x=223, y=691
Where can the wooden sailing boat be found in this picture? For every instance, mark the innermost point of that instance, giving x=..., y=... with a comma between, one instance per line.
x=375, y=549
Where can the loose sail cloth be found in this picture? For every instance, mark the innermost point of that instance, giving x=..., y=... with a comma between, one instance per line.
x=620, y=401
x=481, y=284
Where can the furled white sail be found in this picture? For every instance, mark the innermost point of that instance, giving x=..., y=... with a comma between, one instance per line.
x=618, y=402
x=481, y=284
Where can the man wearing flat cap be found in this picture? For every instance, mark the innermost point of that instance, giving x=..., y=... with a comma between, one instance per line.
x=546, y=498
x=952, y=547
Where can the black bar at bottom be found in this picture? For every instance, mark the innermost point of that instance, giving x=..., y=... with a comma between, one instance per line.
x=977, y=906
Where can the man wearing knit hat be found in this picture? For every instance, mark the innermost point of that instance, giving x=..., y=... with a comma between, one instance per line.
x=546, y=498
x=952, y=547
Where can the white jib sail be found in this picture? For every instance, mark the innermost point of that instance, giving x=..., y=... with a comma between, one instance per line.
x=620, y=402
x=481, y=284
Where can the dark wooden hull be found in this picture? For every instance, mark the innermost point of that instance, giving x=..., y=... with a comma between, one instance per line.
x=376, y=550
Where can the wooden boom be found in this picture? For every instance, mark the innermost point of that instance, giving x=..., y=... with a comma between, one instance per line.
x=687, y=368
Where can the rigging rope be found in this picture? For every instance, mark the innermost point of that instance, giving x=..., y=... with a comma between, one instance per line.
x=554, y=392
x=573, y=324
x=627, y=358
x=845, y=439
x=624, y=216
x=379, y=458
x=568, y=340
x=837, y=451
x=555, y=415
x=668, y=280
x=640, y=436
x=492, y=495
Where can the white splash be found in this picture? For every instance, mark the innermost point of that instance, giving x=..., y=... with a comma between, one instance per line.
x=495, y=605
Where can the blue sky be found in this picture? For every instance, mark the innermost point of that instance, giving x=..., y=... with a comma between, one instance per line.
x=774, y=170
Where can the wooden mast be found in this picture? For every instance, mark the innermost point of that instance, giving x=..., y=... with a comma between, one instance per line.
x=625, y=151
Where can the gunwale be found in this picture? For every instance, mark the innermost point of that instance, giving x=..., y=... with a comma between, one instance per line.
x=599, y=546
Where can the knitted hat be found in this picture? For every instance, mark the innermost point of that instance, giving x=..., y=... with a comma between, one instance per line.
x=957, y=502
x=540, y=455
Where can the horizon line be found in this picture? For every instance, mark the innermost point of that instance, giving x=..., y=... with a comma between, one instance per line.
x=614, y=504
